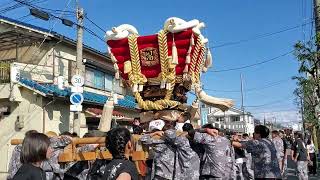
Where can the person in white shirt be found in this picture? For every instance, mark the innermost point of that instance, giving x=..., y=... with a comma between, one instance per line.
x=312, y=165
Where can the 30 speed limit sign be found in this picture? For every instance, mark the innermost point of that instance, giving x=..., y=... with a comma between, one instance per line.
x=77, y=81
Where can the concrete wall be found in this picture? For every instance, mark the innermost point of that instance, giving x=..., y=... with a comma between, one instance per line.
x=56, y=118
x=30, y=110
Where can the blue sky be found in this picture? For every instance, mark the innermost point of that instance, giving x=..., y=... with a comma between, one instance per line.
x=268, y=87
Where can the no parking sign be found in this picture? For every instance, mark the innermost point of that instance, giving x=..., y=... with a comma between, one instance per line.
x=76, y=98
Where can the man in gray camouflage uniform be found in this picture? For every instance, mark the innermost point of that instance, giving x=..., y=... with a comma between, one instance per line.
x=264, y=154
x=247, y=169
x=173, y=156
x=187, y=162
x=15, y=162
x=218, y=158
x=163, y=156
x=51, y=166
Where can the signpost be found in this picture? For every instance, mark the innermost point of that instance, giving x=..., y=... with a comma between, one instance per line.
x=76, y=100
x=76, y=97
x=77, y=81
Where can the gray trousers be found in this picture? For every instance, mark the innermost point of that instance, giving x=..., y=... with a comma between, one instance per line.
x=239, y=174
x=247, y=171
x=285, y=169
x=302, y=168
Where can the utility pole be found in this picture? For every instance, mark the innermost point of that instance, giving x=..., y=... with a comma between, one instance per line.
x=302, y=111
x=316, y=5
x=316, y=11
x=79, y=39
x=79, y=63
x=242, y=106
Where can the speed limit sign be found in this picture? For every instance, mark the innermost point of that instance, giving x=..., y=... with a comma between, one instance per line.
x=77, y=80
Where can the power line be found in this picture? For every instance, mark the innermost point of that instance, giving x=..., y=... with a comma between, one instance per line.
x=62, y=12
x=276, y=111
x=6, y=3
x=94, y=34
x=271, y=84
x=270, y=103
x=18, y=5
x=259, y=36
x=42, y=8
x=99, y=27
x=23, y=17
x=45, y=37
x=10, y=8
x=255, y=64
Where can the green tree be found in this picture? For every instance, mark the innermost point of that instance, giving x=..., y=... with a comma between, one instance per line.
x=308, y=87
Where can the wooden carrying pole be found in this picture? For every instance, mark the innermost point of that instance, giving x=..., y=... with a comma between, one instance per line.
x=70, y=152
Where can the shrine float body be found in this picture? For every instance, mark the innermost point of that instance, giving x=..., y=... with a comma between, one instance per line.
x=160, y=70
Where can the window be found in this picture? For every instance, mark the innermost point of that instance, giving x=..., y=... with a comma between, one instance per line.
x=89, y=81
x=235, y=118
x=101, y=80
x=95, y=78
x=220, y=119
x=108, y=82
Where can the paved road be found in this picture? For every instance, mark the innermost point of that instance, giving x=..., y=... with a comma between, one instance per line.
x=292, y=172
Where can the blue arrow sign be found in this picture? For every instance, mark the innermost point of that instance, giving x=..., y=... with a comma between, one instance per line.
x=76, y=98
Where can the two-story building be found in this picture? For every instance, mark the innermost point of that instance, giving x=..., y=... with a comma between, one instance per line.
x=39, y=98
x=233, y=119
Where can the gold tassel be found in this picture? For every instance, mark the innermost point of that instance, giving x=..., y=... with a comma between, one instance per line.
x=189, y=50
x=174, y=53
x=208, y=62
x=171, y=66
x=163, y=84
x=168, y=86
x=188, y=59
x=140, y=87
x=121, y=83
x=117, y=75
x=135, y=88
x=186, y=69
x=113, y=59
x=127, y=67
x=204, y=69
x=115, y=66
x=186, y=77
x=192, y=40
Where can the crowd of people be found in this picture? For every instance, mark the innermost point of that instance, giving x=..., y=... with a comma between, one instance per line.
x=177, y=151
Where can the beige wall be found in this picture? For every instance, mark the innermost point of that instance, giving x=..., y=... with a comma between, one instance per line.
x=57, y=119
x=30, y=110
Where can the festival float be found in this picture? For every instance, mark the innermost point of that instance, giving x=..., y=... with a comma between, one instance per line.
x=159, y=70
